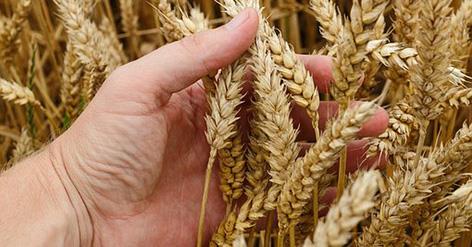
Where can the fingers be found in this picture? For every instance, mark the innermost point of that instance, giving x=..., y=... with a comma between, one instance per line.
x=320, y=68
x=176, y=66
x=374, y=126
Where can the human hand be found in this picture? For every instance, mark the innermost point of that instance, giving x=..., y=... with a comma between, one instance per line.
x=133, y=164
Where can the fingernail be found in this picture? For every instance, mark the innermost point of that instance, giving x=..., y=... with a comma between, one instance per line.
x=238, y=20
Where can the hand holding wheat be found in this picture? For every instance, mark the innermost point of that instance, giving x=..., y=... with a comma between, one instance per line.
x=132, y=164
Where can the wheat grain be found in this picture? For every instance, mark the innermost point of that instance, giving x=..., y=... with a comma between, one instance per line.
x=239, y=242
x=225, y=235
x=232, y=169
x=198, y=18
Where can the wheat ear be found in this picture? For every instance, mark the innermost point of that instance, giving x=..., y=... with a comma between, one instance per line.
x=431, y=72
x=455, y=156
x=89, y=50
x=309, y=169
x=175, y=28
x=452, y=221
x=299, y=82
x=401, y=58
x=11, y=29
x=331, y=22
x=408, y=188
x=402, y=120
x=23, y=148
x=404, y=23
x=71, y=83
x=273, y=109
x=356, y=201
x=460, y=44
x=129, y=21
x=366, y=23
x=221, y=124
x=232, y=152
x=16, y=93
x=114, y=54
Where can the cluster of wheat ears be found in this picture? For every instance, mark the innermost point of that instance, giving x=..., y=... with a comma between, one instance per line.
x=411, y=57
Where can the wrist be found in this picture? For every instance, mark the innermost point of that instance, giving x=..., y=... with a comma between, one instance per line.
x=43, y=202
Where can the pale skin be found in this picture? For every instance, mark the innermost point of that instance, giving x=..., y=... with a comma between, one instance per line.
x=130, y=170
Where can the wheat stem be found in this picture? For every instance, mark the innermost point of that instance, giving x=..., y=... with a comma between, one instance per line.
x=206, y=188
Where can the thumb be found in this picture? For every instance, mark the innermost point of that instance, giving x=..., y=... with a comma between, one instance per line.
x=176, y=66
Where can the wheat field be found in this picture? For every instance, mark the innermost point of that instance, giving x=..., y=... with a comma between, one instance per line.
x=410, y=57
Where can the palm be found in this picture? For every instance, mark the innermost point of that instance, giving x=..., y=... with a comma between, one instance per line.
x=155, y=162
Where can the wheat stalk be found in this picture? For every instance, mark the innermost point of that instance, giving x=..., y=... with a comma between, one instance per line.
x=356, y=201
